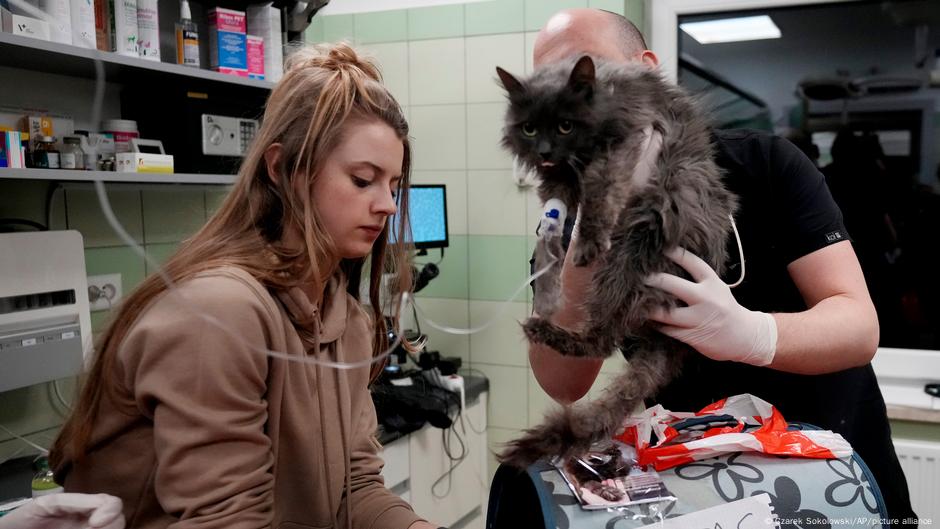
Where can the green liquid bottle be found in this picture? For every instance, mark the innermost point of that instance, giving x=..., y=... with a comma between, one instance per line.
x=44, y=481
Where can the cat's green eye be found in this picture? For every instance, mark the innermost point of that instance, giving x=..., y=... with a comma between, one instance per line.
x=565, y=127
x=529, y=130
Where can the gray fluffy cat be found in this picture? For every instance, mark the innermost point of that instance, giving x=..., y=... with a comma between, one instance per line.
x=581, y=126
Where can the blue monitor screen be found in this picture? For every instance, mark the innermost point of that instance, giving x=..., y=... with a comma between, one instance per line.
x=428, y=216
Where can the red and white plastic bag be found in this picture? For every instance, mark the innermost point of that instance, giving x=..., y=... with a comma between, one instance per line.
x=742, y=423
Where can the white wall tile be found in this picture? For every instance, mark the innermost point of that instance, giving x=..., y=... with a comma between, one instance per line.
x=484, y=54
x=502, y=342
x=439, y=137
x=393, y=62
x=456, y=182
x=496, y=205
x=497, y=439
x=539, y=401
x=529, y=47
x=444, y=312
x=484, y=133
x=436, y=71
x=533, y=211
x=603, y=381
x=508, y=398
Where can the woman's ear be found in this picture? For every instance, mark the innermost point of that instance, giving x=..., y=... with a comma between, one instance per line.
x=272, y=160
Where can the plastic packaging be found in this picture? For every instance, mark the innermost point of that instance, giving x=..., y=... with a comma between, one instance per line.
x=742, y=423
x=148, y=28
x=609, y=476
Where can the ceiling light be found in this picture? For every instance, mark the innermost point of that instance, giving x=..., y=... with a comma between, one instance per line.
x=732, y=29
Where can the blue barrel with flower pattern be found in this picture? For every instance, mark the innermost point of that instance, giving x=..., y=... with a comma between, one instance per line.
x=804, y=493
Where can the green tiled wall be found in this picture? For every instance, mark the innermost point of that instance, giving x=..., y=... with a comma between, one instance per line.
x=435, y=22
x=157, y=217
x=492, y=17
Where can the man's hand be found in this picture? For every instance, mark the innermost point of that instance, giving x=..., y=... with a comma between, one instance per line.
x=67, y=511
x=713, y=322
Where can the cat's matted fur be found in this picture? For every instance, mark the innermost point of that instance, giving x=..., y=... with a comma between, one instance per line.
x=583, y=127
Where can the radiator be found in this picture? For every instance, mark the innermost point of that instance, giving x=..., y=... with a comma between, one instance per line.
x=921, y=463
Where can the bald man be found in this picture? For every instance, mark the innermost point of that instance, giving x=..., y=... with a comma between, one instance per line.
x=799, y=332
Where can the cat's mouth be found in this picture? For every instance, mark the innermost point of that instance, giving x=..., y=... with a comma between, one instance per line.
x=548, y=164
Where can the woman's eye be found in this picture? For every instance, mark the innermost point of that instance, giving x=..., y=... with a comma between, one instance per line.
x=528, y=129
x=360, y=182
x=565, y=127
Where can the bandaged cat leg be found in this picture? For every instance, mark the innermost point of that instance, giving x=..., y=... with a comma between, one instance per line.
x=549, y=251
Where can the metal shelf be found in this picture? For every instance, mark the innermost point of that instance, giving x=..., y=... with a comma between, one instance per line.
x=71, y=175
x=51, y=57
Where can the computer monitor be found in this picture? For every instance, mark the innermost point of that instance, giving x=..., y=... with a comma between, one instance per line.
x=428, y=217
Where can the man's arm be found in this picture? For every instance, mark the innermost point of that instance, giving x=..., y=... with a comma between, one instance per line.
x=840, y=328
x=567, y=379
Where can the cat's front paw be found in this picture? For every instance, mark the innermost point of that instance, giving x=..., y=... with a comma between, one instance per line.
x=585, y=252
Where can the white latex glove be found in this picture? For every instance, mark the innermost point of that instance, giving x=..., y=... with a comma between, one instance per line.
x=713, y=322
x=67, y=510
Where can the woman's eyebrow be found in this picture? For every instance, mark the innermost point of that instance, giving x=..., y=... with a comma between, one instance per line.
x=370, y=165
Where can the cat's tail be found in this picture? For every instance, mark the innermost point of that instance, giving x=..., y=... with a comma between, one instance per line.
x=572, y=430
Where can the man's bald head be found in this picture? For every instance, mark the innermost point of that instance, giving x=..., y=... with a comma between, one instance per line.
x=600, y=34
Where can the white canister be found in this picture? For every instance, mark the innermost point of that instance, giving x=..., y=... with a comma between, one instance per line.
x=148, y=29
x=123, y=131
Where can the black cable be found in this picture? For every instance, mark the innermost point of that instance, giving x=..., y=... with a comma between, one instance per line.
x=23, y=222
x=442, y=257
x=414, y=311
x=454, y=461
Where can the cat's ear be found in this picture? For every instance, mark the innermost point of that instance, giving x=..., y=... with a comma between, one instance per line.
x=510, y=83
x=582, y=76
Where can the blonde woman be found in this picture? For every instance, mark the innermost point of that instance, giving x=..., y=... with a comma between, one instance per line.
x=183, y=415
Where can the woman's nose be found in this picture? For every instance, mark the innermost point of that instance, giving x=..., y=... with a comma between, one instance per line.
x=386, y=205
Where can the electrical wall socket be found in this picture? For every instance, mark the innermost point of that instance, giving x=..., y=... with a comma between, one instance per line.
x=103, y=286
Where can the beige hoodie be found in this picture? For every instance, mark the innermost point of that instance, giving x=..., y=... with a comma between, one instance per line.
x=211, y=432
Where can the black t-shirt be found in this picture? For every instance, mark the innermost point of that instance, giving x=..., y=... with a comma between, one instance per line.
x=786, y=212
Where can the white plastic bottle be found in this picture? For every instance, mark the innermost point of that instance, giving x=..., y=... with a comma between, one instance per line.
x=148, y=29
x=83, y=23
x=125, y=27
x=60, y=19
x=187, y=38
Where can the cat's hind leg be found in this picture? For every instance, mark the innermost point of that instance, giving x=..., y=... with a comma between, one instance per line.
x=573, y=429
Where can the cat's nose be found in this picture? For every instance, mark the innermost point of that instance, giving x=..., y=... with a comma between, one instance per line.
x=545, y=150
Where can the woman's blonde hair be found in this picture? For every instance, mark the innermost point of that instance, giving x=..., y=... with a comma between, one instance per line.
x=323, y=88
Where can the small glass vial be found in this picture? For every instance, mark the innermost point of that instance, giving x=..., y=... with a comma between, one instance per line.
x=44, y=481
x=45, y=156
x=72, y=156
